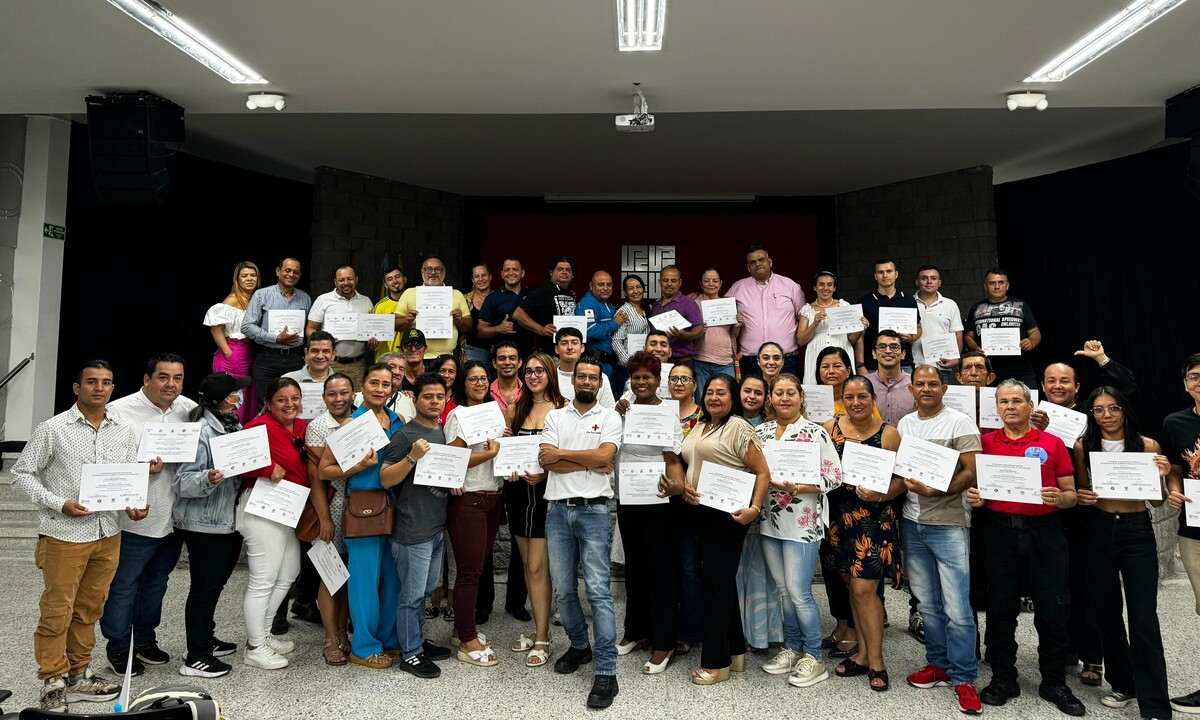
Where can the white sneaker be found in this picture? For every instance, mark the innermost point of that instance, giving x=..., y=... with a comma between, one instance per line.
x=782, y=663
x=808, y=671
x=264, y=657
x=283, y=646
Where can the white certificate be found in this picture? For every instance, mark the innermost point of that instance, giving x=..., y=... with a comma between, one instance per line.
x=172, y=442
x=376, y=326
x=435, y=299
x=280, y=320
x=278, y=501
x=902, y=320
x=637, y=483
x=1000, y=341
x=1011, y=479
x=939, y=347
x=652, y=425
x=926, y=462
x=479, y=422
x=356, y=439
x=724, y=488
x=329, y=565
x=579, y=322
x=312, y=399
x=435, y=327
x=517, y=455
x=664, y=386
x=1191, y=510
x=868, y=467
x=241, y=451
x=989, y=417
x=443, y=466
x=722, y=311
x=794, y=462
x=113, y=486
x=1125, y=476
x=818, y=402
x=343, y=325
x=1065, y=424
x=635, y=342
x=843, y=319
x=962, y=399
x=669, y=320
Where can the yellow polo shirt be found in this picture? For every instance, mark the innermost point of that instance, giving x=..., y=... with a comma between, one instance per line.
x=441, y=346
x=386, y=306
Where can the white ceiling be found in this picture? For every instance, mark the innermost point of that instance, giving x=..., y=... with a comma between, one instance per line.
x=359, y=74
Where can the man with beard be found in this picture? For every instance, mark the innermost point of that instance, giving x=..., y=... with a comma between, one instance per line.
x=393, y=286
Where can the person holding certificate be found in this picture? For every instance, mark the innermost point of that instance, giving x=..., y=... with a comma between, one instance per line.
x=716, y=350
x=1181, y=439
x=683, y=340
x=812, y=331
x=433, y=274
x=648, y=531
x=1121, y=554
x=723, y=438
x=998, y=310
x=865, y=532
x=373, y=586
x=472, y=517
x=525, y=503
x=568, y=346
x=272, y=550
x=224, y=321
x=631, y=319
x=344, y=299
x=1026, y=541
x=793, y=530
x=681, y=383
x=280, y=351
x=204, y=519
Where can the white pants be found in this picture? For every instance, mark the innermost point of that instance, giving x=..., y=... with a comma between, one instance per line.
x=273, y=553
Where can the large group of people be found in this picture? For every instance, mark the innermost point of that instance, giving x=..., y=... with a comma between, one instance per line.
x=721, y=581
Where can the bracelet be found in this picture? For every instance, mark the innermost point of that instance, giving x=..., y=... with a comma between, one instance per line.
x=757, y=510
x=409, y=459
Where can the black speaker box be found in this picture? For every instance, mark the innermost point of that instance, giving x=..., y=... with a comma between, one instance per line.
x=133, y=138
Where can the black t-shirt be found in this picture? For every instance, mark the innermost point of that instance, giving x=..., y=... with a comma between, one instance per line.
x=420, y=509
x=498, y=307
x=871, y=302
x=542, y=304
x=1181, y=444
x=1013, y=312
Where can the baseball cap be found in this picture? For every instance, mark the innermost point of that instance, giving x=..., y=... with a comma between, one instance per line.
x=218, y=386
x=413, y=337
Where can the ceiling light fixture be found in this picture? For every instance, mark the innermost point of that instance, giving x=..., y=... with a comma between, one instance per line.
x=640, y=25
x=259, y=101
x=1109, y=34
x=1027, y=100
x=170, y=27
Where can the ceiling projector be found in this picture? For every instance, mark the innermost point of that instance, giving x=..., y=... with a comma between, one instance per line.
x=640, y=121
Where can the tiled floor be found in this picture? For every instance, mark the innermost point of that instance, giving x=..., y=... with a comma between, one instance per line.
x=309, y=689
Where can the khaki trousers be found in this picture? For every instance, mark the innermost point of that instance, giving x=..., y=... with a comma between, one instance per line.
x=76, y=577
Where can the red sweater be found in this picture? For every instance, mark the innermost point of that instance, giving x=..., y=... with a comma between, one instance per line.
x=283, y=450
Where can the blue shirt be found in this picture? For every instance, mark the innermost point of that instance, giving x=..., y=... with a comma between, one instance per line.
x=369, y=479
x=254, y=323
x=601, y=324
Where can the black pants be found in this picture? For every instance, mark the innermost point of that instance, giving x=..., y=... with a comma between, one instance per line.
x=304, y=590
x=270, y=364
x=1121, y=553
x=1034, y=544
x=211, y=558
x=515, y=592
x=651, y=573
x=1082, y=629
x=721, y=540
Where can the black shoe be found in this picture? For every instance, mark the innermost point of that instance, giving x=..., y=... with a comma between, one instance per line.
x=1187, y=704
x=916, y=626
x=280, y=625
x=205, y=667
x=1027, y=605
x=521, y=614
x=604, y=689
x=117, y=663
x=997, y=693
x=1063, y=699
x=435, y=652
x=572, y=659
x=152, y=654
x=307, y=612
x=481, y=617
x=420, y=666
x=222, y=649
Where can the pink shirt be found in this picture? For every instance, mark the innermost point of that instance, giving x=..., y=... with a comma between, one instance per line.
x=769, y=311
x=499, y=397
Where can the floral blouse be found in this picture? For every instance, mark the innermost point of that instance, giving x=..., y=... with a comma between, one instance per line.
x=803, y=517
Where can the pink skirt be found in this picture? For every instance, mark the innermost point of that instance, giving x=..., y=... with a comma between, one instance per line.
x=238, y=365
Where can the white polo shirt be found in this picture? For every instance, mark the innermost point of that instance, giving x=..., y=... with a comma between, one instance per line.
x=331, y=303
x=567, y=429
x=940, y=317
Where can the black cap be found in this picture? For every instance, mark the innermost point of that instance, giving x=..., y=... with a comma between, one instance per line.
x=413, y=337
x=218, y=386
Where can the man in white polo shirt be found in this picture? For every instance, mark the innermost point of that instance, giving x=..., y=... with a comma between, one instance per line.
x=350, y=355
x=578, y=448
x=568, y=346
x=939, y=316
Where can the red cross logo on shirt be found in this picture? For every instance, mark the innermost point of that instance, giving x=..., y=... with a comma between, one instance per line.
x=595, y=428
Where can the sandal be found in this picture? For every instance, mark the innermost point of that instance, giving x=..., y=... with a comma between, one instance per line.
x=880, y=677
x=849, y=668
x=539, y=655
x=1092, y=674
x=334, y=656
x=524, y=643
x=479, y=658
x=838, y=652
x=455, y=642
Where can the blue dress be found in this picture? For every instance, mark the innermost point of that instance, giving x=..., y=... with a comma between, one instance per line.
x=758, y=597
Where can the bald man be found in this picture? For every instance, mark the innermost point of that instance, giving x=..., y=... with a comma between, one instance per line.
x=596, y=305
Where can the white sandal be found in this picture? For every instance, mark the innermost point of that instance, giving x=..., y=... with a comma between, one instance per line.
x=539, y=655
x=524, y=643
x=651, y=669
x=479, y=658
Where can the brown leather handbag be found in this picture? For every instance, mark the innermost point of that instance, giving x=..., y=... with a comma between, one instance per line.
x=368, y=513
x=308, y=527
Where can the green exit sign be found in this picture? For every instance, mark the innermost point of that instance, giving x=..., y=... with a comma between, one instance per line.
x=54, y=232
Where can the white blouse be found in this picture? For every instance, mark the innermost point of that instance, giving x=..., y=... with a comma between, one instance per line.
x=229, y=316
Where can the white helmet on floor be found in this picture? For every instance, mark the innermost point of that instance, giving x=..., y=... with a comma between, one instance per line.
x=202, y=705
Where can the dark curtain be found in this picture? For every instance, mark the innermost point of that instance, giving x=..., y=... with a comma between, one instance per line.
x=1110, y=251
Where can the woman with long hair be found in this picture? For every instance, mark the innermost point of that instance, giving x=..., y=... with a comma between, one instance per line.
x=224, y=321
x=631, y=319
x=753, y=395
x=770, y=361
x=717, y=349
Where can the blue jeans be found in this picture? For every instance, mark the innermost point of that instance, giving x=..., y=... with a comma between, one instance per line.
x=705, y=370
x=136, y=593
x=419, y=567
x=373, y=590
x=792, y=565
x=582, y=536
x=937, y=558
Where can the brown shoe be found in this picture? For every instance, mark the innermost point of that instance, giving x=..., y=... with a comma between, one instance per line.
x=378, y=661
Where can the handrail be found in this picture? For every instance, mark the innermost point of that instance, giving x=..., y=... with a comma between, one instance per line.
x=13, y=373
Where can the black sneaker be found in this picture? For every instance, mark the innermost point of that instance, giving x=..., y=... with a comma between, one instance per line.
x=307, y=612
x=118, y=662
x=572, y=659
x=435, y=652
x=222, y=648
x=481, y=618
x=1187, y=704
x=420, y=666
x=205, y=667
x=604, y=689
x=998, y=692
x=152, y=654
x=1027, y=605
x=279, y=624
x=1063, y=699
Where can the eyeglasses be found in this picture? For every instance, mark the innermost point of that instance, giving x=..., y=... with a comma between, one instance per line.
x=433, y=270
x=1192, y=378
x=534, y=371
x=680, y=380
x=477, y=380
x=1102, y=410
x=890, y=347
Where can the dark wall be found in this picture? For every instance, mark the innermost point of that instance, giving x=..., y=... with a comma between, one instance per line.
x=1110, y=251
x=137, y=281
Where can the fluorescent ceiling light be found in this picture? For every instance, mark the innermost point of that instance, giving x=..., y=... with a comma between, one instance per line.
x=170, y=27
x=640, y=24
x=1108, y=35
x=632, y=198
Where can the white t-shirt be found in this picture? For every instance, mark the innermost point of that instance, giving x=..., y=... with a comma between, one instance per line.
x=568, y=430
x=331, y=303
x=949, y=428
x=604, y=397
x=940, y=317
x=479, y=478
x=228, y=316
x=648, y=453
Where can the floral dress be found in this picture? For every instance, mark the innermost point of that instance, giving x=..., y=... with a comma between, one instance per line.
x=865, y=535
x=802, y=517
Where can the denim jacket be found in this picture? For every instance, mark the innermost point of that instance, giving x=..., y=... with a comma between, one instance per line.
x=202, y=506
